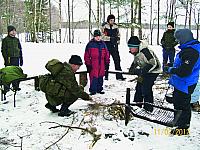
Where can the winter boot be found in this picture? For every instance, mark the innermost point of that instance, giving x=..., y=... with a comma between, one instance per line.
x=120, y=77
x=64, y=111
x=51, y=108
x=101, y=92
x=195, y=106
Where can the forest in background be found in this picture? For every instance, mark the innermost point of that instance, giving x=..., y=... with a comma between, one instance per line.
x=40, y=18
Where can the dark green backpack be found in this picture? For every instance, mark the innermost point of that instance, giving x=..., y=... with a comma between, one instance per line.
x=47, y=82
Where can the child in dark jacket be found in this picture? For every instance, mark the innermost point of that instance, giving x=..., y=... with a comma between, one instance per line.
x=168, y=42
x=11, y=48
x=96, y=59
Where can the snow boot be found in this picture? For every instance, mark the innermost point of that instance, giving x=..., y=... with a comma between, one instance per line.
x=101, y=92
x=64, y=111
x=51, y=108
x=195, y=106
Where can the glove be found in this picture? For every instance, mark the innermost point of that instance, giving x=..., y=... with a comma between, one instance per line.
x=140, y=79
x=138, y=72
x=113, y=40
x=21, y=61
x=89, y=68
x=167, y=69
x=90, y=98
x=86, y=96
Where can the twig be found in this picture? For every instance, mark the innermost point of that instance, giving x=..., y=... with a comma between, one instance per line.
x=88, y=130
x=60, y=137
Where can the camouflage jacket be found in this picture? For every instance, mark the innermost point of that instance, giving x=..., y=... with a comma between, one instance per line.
x=11, y=47
x=67, y=77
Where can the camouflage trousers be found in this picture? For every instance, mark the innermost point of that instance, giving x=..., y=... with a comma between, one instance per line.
x=55, y=101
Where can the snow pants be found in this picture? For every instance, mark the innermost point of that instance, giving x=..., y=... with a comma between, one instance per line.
x=96, y=84
x=168, y=54
x=144, y=90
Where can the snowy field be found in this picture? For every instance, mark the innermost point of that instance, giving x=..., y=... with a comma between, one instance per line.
x=29, y=123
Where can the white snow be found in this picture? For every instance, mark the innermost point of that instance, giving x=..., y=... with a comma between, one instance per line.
x=29, y=119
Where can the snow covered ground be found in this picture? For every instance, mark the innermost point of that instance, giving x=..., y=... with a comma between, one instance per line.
x=29, y=122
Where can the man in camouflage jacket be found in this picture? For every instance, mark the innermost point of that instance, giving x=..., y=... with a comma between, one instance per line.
x=65, y=74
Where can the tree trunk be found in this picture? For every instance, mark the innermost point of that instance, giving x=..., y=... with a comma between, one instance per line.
x=98, y=12
x=69, y=21
x=150, y=22
x=190, y=14
x=132, y=15
x=140, y=19
x=50, y=21
x=60, y=25
x=158, y=33
x=89, y=19
x=186, y=14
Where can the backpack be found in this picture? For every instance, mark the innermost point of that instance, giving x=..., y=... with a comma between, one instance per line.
x=47, y=82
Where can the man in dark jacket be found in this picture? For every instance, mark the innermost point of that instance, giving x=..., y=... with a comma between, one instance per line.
x=65, y=73
x=111, y=36
x=184, y=77
x=11, y=48
x=168, y=42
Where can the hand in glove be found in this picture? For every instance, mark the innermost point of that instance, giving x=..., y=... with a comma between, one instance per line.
x=89, y=68
x=167, y=69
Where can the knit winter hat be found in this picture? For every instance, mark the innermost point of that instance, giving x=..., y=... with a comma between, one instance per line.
x=133, y=42
x=11, y=28
x=111, y=16
x=171, y=24
x=76, y=60
x=183, y=35
x=97, y=33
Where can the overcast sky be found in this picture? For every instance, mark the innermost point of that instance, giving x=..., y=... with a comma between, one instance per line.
x=81, y=10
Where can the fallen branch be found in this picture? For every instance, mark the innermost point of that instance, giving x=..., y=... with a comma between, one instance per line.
x=91, y=131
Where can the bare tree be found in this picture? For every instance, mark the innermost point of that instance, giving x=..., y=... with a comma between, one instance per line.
x=158, y=33
x=140, y=18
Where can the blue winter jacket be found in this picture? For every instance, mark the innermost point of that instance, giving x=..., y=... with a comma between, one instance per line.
x=182, y=83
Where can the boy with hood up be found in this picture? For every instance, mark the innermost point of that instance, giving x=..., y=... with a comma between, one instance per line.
x=184, y=77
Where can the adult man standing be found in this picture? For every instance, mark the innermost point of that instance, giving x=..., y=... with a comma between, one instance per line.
x=184, y=77
x=111, y=36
